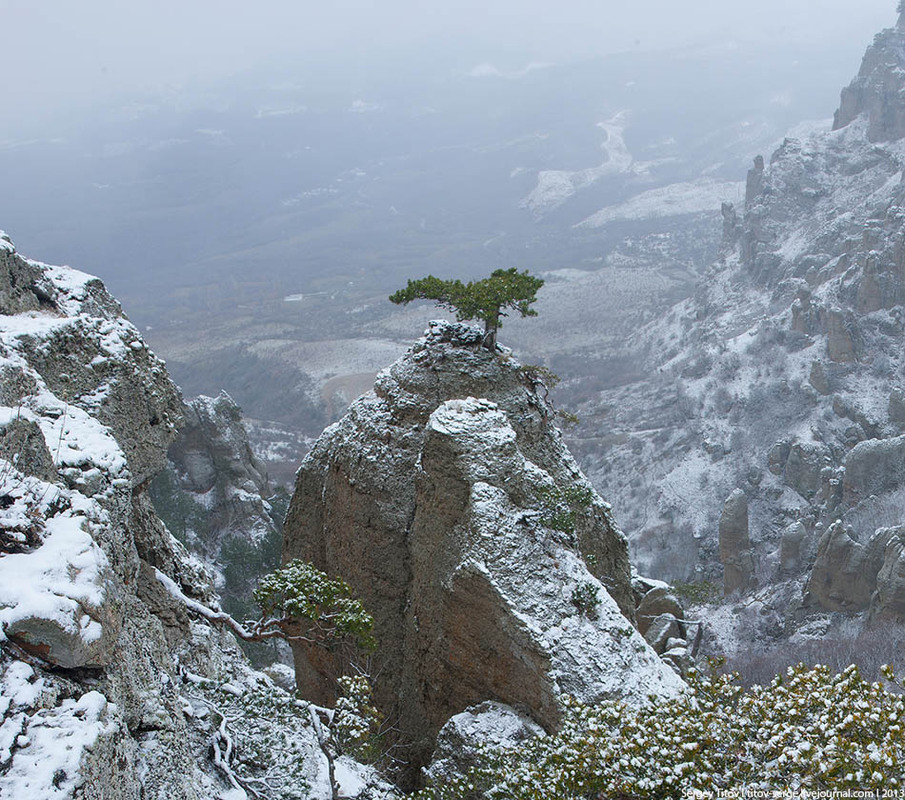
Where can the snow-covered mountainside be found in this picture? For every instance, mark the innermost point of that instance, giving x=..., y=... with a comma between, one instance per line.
x=111, y=685
x=447, y=499
x=768, y=448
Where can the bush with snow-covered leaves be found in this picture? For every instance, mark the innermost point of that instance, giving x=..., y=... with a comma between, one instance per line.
x=809, y=729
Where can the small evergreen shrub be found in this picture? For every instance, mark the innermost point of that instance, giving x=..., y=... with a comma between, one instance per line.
x=560, y=507
x=356, y=721
x=586, y=598
x=698, y=592
x=298, y=601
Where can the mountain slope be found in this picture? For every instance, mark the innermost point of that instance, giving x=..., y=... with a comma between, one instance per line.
x=766, y=448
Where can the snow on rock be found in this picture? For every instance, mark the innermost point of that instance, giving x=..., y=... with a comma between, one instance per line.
x=355, y=781
x=51, y=743
x=51, y=599
x=781, y=377
x=462, y=739
x=447, y=499
x=111, y=686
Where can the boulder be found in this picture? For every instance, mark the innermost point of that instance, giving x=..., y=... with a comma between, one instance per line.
x=841, y=336
x=872, y=468
x=791, y=546
x=804, y=466
x=22, y=443
x=817, y=378
x=844, y=575
x=657, y=601
x=662, y=628
x=462, y=740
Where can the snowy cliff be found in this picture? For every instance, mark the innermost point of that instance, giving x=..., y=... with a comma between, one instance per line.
x=111, y=685
x=766, y=451
x=447, y=499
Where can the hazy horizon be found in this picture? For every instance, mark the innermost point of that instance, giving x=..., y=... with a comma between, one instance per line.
x=68, y=58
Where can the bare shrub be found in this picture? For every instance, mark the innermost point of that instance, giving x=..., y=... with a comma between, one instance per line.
x=869, y=650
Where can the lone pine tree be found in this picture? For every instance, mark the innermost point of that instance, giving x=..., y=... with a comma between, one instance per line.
x=486, y=299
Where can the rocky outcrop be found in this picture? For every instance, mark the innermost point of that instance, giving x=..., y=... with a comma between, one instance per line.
x=447, y=500
x=736, y=555
x=224, y=485
x=876, y=92
x=844, y=576
x=889, y=601
x=212, y=447
x=874, y=467
x=215, y=497
x=465, y=738
x=109, y=685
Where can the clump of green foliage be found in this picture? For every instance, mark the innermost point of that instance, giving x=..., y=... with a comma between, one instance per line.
x=567, y=418
x=356, y=720
x=586, y=598
x=486, y=300
x=560, y=507
x=807, y=730
x=299, y=602
x=698, y=592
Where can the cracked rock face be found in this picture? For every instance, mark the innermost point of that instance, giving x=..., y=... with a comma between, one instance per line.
x=448, y=501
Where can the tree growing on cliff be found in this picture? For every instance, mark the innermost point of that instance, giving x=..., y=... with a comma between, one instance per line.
x=298, y=603
x=488, y=299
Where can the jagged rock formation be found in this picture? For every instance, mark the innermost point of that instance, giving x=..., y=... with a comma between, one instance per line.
x=214, y=488
x=215, y=497
x=876, y=91
x=781, y=380
x=448, y=501
x=109, y=687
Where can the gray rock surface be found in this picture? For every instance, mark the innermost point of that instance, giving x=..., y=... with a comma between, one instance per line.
x=736, y=555
x=662, y=629
x=657, y=601
x=889, y=601
x=844, y=576
x=109, y=686
x=875, y=92
x=874, y=467
x=462, y=739
x=442, y=497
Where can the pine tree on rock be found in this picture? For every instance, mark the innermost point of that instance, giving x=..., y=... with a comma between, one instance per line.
x=486, y=299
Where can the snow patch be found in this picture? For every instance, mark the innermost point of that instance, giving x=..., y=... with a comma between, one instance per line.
x=693, y=197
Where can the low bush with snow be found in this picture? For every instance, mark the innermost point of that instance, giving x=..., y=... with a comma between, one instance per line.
x=809, y=729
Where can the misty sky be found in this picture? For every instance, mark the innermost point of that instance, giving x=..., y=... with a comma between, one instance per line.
x=65, y=54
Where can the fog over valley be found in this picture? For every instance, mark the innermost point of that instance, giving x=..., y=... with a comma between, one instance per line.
x=252, y=183
x=475, y=401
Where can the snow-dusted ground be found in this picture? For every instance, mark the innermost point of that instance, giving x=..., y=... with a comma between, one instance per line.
x=554, y=187
x=674, y=200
